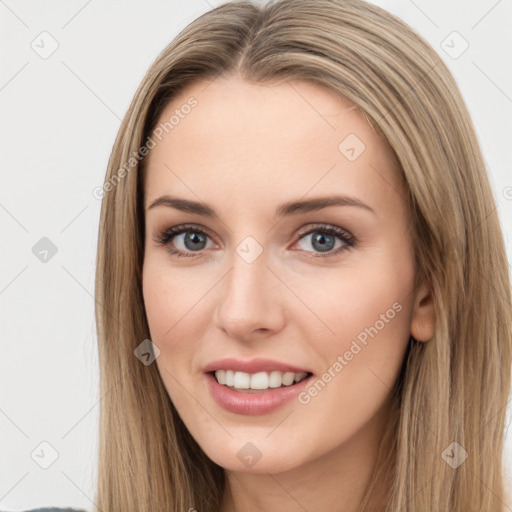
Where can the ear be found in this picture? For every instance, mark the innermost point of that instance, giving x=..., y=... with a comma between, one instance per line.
x=423, y=323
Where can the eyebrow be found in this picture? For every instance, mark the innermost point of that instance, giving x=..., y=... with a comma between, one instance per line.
x=289, y=208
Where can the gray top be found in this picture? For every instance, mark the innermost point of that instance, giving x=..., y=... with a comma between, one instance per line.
x=53, y=509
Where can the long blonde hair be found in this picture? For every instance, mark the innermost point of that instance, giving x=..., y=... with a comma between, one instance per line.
x=453, y=389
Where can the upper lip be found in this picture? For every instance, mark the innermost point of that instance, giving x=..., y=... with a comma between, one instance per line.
x=253, y=366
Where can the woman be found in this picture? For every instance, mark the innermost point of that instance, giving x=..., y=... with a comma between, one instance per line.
x=340, y=337
x=247, y=108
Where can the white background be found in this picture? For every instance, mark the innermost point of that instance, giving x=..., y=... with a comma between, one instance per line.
x=59, y=117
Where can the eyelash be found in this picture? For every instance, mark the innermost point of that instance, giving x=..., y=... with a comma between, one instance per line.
x=167, y=235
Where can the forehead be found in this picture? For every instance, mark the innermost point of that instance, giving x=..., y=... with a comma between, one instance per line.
x=247, y=142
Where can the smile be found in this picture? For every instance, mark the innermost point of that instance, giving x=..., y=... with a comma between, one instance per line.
x=259, y=381
x=249, y=401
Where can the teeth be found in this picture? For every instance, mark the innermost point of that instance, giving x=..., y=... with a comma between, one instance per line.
x=221, y=376
x=260, y=380
x=242, y=380
x=275, y=379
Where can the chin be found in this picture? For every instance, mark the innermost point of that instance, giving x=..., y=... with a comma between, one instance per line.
x=275, y=463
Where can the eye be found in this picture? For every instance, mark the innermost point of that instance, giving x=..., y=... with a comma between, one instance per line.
x=322, y=238
x=194, y=240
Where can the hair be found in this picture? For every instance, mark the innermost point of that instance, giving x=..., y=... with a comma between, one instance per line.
x=455, y=388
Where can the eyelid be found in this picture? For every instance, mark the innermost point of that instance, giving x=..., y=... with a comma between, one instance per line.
x=322, y=226
x=162, y=236
x=345, y=236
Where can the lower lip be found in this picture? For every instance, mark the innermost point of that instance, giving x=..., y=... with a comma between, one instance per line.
x=262, y=402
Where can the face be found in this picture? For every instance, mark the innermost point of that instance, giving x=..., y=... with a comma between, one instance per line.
x=291, y=254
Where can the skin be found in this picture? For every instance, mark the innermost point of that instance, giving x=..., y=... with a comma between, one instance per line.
x=244, y=150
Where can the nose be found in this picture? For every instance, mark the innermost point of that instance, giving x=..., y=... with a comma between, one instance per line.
x=250, y=301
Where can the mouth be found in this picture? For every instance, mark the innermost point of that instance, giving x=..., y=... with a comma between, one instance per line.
x=259, y=382
x=234, y=390
x=256, y=386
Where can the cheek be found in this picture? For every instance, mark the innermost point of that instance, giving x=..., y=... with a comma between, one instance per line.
x=169, y=306
x=367, y=310
x=352, y=300
x=171, y=299
x=359, y=365
x=157, y=300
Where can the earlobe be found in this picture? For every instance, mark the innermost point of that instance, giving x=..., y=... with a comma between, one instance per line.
x=423, y=324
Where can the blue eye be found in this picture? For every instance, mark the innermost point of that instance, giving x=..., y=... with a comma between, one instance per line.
x=323, y=238
x=194, y=237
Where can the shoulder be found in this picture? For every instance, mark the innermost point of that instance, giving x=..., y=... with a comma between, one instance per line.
x=53, y=509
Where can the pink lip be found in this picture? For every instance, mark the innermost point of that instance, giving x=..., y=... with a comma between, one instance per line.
x=261, y=402
x=253, y=366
